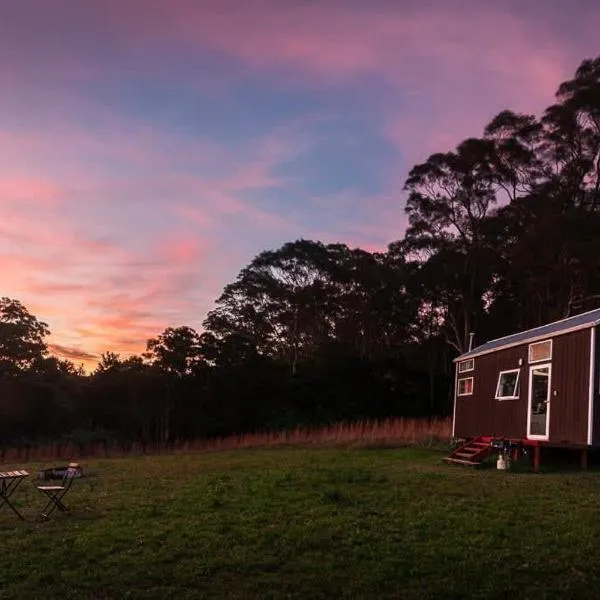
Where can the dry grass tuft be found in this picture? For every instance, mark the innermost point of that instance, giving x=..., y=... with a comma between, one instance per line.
x=390, y=432
x=396, y=431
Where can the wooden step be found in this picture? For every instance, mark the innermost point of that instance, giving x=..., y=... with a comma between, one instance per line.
x=471, y=453
x=461, y=461
x=465, y=454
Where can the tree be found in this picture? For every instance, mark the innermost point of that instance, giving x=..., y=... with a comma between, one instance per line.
x=546, y=238
x=282, y=301
x=289, y=302
x=21, y=338
x=176, y=353
x=572, y=137
x=376, y=311
x=124, y=397
x=109, y=361
x=449, y=199
x=515, y=164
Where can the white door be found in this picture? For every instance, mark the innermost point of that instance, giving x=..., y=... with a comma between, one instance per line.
x=538, y=413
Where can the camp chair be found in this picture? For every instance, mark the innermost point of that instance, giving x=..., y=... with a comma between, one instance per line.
x=9, y=482
x=56, y=493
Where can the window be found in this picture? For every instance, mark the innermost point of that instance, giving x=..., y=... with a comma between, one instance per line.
x=466, y=365
x=540, y=351
x=508, y=385
x=465, y=386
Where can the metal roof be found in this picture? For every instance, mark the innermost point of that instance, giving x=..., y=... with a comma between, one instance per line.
x=582, y=321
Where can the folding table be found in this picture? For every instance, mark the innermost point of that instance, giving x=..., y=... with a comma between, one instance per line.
x=9, y=482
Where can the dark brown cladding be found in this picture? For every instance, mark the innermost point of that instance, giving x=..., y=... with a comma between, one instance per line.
x=482, y=414
x=596, y=428
x=571, y=382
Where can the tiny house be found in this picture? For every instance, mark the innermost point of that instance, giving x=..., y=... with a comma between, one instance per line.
x=539, y=387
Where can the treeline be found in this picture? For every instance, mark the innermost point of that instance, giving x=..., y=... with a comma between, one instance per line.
x=504, y=234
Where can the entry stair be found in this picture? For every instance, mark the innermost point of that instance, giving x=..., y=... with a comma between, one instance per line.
x=471, y=453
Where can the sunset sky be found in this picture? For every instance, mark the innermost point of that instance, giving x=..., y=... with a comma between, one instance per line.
x=149, y=149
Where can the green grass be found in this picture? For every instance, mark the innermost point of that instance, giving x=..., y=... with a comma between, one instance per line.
x=306, y=523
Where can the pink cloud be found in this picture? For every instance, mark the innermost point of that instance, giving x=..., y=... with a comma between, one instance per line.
x=27, y=189
x=129, y=142
x=333, y=43
x=368, y=222
x=92, y=287
x=463, y=69
x=340, y=43
x=91, y=290
x=78, y=283
x=181, y=251
x=424, y=53
x=224, y=202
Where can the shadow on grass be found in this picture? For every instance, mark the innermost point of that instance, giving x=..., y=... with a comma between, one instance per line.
x=552, y=461
x=435, y=444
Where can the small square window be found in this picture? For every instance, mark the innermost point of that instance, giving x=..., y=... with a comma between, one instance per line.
x=540, y=351
x=465, y=386
x=466, y=365
x=508, y=385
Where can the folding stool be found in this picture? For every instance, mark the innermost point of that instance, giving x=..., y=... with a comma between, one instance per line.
x=56, y=493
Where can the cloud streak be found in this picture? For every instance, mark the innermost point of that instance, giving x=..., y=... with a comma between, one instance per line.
x=74, y=354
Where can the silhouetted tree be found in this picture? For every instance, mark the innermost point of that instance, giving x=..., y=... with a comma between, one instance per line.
x=21, y=337
x=176, y=353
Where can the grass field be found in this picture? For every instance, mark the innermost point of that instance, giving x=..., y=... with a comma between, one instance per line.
x=306, y=523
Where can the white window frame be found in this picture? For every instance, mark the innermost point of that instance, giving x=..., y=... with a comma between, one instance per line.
x=458, y=386
x=546, y=435
x=539, y=360
x=515, y=397
x=466, y=362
